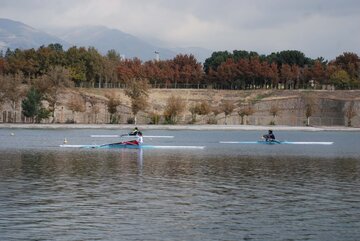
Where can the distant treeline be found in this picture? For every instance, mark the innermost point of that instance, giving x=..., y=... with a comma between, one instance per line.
x=289, y=69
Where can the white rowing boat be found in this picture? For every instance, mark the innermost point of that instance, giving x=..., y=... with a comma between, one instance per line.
x=125, y=145
x=279, y=142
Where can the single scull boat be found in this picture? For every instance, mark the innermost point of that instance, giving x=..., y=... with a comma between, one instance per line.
x=273, y=142
x=130, y=145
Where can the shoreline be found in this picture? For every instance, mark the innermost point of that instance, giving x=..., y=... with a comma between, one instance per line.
x=177, y=127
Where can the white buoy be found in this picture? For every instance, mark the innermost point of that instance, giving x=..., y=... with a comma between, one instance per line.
x=12, y=134
x=65, y=141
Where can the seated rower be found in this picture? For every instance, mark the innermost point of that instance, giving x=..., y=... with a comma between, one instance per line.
x=270, y=136
x=138, y=141
x=135, y=132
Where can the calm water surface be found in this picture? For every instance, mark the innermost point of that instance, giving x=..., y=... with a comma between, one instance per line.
x=227, y=192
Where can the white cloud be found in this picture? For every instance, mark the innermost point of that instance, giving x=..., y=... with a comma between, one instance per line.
x=316, y=27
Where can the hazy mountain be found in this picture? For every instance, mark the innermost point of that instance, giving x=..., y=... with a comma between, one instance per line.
x=104, y=39
x=15, y=34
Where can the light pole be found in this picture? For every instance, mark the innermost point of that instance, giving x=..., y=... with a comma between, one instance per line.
x=157, y=55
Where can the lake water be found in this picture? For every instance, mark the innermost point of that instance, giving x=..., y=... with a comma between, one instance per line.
x=224, y=192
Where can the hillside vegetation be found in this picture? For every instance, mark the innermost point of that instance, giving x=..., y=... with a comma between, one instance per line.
x=80, y=85
x=189, y=106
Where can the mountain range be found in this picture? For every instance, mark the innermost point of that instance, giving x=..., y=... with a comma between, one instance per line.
x=14, y=34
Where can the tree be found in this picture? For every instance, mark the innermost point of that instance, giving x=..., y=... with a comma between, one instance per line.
x=350, y=112
x=189, y=70
x=76, y=104
x=51, y=84
x=309, y=108
x=192, y=110
x=175, y=106
x=3, y=81
x=341, y=79
x=94, y=108
x=286, y=75
x=244, y=112
x=94, y=64
x=227, y=107
x=75, y=62
x=13, y=91
x=137, y=90
x=228, y=73
x=274, y=111
x=290, y=57
x=318, y=72
x=111, y=61
x=112, y=105
x=32, y=106
x=350, y=62
x=215, y=60
x=202, y=108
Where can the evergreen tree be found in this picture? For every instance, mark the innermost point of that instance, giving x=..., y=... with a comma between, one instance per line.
x=32, y=106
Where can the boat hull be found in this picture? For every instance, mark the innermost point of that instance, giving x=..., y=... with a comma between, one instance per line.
x=279, y=142
x=122, y=146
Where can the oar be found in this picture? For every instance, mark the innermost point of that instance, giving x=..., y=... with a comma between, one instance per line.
x=123, y=135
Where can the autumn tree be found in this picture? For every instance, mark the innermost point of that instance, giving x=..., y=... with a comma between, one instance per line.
x=274, y=111
x=76, y=104
x=216, y=59
x=309, y=107
x=3, y=81
x=350, y=112
x=13, y=91
x=94, y=108
x=52, y=84
x=76, y=64
x=245, y=111
x=138, y=92
x=192, y=110
x=111, y=62
x=227, y=107
x=175, y=106
x=189, y=70
x=318, y=72
x=341, y=79
x=2, y=64
x=350, y=62
x=94, y=64
x=215, y=110
x=229, y=74
x=112, y=105
x=286, y=75
x=202, y=108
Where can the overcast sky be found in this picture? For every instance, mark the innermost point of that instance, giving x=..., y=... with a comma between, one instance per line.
x=324, y=28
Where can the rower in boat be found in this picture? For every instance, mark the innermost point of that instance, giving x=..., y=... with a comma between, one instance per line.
x=136, y=141
x=135, y=132
x=269, y=137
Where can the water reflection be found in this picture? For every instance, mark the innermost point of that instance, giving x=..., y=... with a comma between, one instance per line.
x=177, y=195
x=37, y=164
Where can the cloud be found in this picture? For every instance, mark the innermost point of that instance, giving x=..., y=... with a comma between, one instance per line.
x=316, y=27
